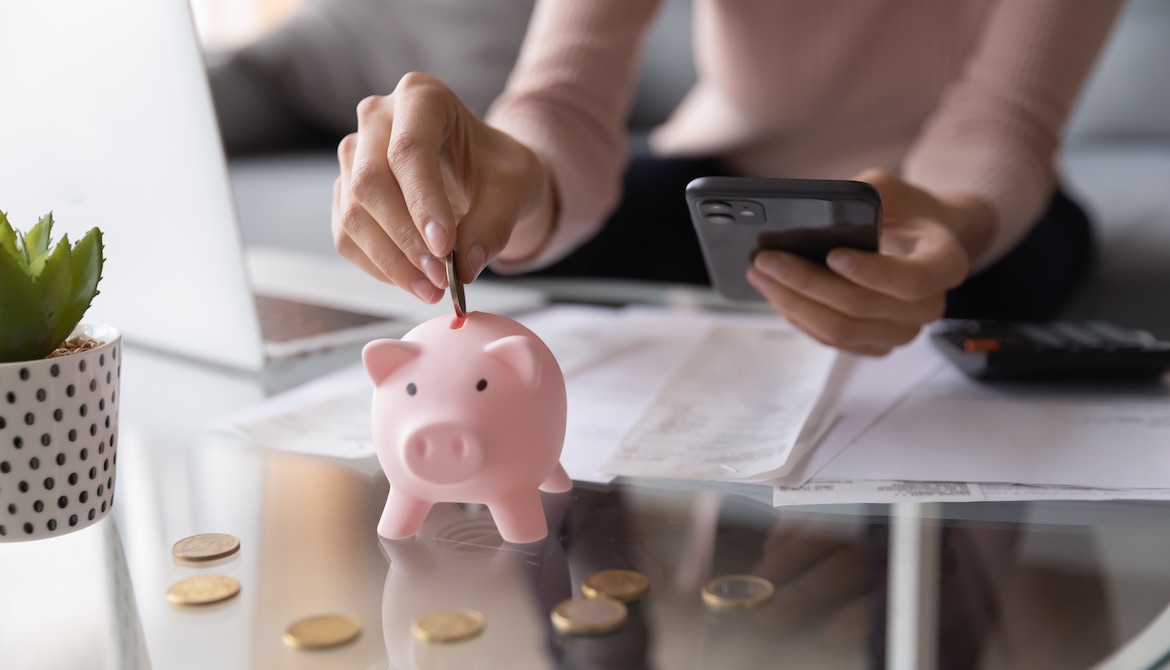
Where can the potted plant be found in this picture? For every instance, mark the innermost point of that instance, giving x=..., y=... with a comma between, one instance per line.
x=58, y=385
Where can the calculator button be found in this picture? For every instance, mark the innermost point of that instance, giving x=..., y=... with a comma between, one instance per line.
x=1080, y=335
x=976, y=344
x=1118, y=336
x=1041, y=336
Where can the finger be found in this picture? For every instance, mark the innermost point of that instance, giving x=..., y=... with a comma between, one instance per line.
x=863, y=336
x=935, y=263
x=341, y=240
x=425, y=112
x=361, y=239
x=344, y=243
x=375, y=188
x=844, y=296
x=487, y=226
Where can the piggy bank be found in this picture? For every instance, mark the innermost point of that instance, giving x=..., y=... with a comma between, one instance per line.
x=468, y=410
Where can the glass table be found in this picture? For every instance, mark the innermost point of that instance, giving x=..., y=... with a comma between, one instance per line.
x=980, y=585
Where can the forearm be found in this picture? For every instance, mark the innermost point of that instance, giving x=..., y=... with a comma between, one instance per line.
x=567, y=101
x=989, y=147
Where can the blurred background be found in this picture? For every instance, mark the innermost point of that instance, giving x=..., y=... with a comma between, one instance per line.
x=223, y=24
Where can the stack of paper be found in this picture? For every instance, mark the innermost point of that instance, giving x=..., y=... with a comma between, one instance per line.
x=745, y=398
x=651, y=393
x=951, y=439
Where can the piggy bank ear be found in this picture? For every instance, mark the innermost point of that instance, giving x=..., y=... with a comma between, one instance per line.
x=520, y=355
x=383, y=357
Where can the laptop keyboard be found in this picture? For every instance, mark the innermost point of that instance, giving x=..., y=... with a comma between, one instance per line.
x=286, y=320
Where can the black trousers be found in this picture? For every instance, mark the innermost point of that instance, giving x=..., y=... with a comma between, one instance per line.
x=650, y=237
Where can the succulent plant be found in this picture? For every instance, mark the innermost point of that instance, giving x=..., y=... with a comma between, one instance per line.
x=44, y=289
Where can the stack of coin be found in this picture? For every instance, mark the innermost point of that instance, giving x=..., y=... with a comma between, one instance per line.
x=588, y=616
x=624, y=585
x=737, y=592
x=448, y=626
x=321, y=632
x=204, y=589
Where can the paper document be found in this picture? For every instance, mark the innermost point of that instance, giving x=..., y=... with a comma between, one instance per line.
x=951, y=428
x=734, y=410
x=860, y=390
x=857, y=491
x=651, y=393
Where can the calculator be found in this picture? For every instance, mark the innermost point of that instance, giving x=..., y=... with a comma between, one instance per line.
x=1083, y=350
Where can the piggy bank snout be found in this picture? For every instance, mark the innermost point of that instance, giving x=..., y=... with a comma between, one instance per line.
x=442, y=453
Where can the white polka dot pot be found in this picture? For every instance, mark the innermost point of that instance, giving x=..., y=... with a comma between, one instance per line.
x=59, y=439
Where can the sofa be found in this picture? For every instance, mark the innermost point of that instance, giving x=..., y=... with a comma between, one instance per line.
x=1115, y=161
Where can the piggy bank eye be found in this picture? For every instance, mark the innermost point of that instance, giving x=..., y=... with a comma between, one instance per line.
x=411, y=389
x=481, y=385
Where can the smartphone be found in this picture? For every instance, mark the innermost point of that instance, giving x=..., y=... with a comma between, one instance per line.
x=736, y=217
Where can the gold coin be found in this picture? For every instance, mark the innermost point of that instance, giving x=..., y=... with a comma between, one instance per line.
x=205, y=547
x=623, y=585
x=321, y=632
x=203, y=590
x=445, y=626
x=737, y=592
x=586, y=616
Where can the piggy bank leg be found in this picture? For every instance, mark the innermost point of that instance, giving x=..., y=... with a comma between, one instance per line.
x=520, y=517
x=557, y=482
x=402, y=516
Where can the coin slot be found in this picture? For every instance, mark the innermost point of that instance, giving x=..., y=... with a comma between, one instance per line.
x=457, y=322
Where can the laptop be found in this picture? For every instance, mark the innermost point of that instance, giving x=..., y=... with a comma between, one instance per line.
x=106, y=119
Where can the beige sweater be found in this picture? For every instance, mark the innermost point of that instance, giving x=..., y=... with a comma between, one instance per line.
x=962, y=97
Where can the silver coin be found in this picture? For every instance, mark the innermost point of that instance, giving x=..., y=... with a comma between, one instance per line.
x=456, y=287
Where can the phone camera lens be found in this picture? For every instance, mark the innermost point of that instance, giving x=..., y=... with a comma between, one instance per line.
x=747, y=213
x=721, y=219
x=715, y=207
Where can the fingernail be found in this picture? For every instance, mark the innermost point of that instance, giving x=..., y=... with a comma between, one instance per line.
x=842, y=262
x=775, y=265
x=476, y=260
x=434, y=270
x=436, y=237
x=425, y=290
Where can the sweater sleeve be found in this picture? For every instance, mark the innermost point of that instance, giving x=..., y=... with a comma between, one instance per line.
x=568, y=99
x=996, y=131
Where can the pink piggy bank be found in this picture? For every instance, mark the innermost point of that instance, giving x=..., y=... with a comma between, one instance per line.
x=468, y=410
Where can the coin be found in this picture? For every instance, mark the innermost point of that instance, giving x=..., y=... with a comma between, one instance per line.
x=203, y=590
x=456, y=287
x=737, y=592
x=586, y=616
x=321, y=632
x=623, y=585
x=205, y=547
x=445, y=626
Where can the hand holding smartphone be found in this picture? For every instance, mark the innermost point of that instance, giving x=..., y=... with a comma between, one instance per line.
x=736, y=217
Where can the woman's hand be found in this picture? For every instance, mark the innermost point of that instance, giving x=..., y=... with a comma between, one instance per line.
x=869, y=303
x=422, y=176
